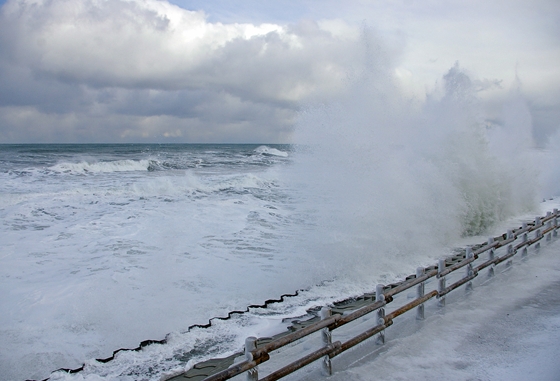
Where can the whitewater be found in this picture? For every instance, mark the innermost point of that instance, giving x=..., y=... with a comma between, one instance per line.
x=105, y=246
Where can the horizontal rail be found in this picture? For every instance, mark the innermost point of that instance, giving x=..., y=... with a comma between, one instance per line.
x=292, y=337
x=535, y=240
x=486, y=248
x=548, y=218
x=550, y=229
x=410, y=283
x=505, y=242
x=522, y=230
x=306, y=360
x=507, y=256
x=457, y=284
x=457, y=266
x=487, y=263
x=236, y=369
x=522, y=244
x=411, y=305
x=361, y=337
x=357, y=314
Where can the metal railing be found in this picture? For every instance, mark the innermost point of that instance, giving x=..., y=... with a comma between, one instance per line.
x=447, y=269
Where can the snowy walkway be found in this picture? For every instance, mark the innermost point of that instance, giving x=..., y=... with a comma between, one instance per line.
x=507, y=328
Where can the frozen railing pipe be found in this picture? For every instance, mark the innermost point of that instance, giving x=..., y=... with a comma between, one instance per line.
x=327, y=340
x=441, y=282
x=538, y=233
x=555, y=223
x=513, y=241
x=470, y=270
x=524, y=239
x=420, y=293
x=379, y=297
x=250, y=346
x=548, y=230
x=491, y=257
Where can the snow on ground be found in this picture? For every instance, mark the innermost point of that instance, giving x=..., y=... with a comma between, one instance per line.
x=506, y=328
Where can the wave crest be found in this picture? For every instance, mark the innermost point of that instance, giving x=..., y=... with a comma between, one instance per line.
x=265, y=150
x=103, y=166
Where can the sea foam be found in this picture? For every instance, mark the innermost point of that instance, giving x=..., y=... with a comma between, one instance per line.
x=102, y=166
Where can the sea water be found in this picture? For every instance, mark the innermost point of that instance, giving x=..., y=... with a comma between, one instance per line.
x=104, y=246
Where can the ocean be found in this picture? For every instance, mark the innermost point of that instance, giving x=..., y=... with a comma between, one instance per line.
x=104, y=246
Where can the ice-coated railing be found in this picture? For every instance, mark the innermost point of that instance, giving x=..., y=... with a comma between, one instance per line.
x=459, y=270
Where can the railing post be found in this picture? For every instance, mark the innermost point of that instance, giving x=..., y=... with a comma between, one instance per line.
x=548, y=225
x=470, y=271
x=251, y=345
x=538, y=233
x=510, y=247
x=325, y=313
x=379, y=297
x=441, y=282
x=420, y=293
x=555, y=223
x=524, y=239
x=491, y=256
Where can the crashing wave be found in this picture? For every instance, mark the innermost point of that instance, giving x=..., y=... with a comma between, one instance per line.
x=103, y=166
x=265, y=150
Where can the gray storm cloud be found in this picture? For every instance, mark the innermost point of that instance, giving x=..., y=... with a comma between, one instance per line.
x=94, y=70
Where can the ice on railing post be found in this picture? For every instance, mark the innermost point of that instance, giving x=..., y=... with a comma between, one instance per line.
x=325, y=313
x=491, y=256
x=510, y=247
x=524, y=239
x=441, y=282
x=379, y=297
x=548, y=225
x=555, y=223
x=251, y=345
x=538, y=233
x=419, y=294
x=470, y=270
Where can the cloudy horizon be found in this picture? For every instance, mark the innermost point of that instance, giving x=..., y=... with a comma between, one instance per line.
x=122, y=71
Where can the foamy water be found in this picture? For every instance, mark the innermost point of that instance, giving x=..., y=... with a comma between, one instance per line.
x=132, y=243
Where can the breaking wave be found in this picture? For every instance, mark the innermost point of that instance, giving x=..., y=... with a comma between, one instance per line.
x=265, y=150
x=391, y=181
x=85, y=167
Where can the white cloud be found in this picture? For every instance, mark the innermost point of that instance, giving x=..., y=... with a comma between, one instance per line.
x=153, y=44
x=95, y=49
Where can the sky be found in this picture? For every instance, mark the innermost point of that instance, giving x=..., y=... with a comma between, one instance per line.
x=179, y=71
